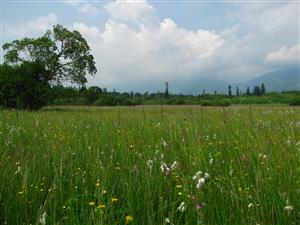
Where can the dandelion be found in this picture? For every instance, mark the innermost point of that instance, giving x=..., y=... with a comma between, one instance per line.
x=113, y=200
x=200, y=183
x=128, y=219
x=181, y=207
x=91, y=203
x=101, y=206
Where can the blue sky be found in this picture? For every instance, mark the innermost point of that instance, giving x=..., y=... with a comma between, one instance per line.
x=140, y=44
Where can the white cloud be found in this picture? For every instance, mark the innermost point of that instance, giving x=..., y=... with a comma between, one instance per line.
x=284, y=55
x=138, y=12
x=84, y=7
x=167, y=52
x=31, y=28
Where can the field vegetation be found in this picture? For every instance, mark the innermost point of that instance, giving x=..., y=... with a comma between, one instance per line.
x=150, y=165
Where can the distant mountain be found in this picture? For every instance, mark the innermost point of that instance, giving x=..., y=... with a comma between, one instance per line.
x=280, y=80
x=287, y=79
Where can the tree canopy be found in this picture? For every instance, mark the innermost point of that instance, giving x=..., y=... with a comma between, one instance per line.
x=33, y=65
x=65, y=55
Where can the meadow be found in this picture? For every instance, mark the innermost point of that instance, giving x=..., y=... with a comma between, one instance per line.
x=150, y=165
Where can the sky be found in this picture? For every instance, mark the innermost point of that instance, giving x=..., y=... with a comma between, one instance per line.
x=138, y=45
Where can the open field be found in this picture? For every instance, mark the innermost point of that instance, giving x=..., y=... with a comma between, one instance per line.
x=141, y=165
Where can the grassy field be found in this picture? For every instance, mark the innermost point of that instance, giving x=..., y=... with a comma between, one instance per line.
x=147, y=165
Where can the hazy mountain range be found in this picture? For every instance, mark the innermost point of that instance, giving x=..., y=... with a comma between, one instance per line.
x=281, y=80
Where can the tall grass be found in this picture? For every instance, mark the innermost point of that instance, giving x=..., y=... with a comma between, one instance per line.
x=105, y=166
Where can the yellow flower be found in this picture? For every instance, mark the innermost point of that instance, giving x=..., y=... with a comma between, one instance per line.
x=97, y=184
x=21, y=192
x=101, y=206
x=179, y=193
x=114, y=200
x=91, y=203
x=128, y=219
x=179, y=186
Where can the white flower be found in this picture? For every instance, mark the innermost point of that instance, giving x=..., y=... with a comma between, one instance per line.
x=211, y=161
x=250, y=205
x=150, y=164
x=181, y=207
x=288, y=208
x=167, y=220
x=200, y=183
x=206, y=175
x=18, y=170
x=174, y=165
x=42, y=219
x=197, y=175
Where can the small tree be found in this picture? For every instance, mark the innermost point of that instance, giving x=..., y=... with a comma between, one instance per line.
x=263, y=88
x=167, y=89
x=237, y=91
x=248, y=91
x=256, y=90
x=229, y=90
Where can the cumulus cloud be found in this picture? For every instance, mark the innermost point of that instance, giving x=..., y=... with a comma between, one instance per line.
x=284, y=55
x=167, y=52
x=139, y=12
x=31, y=28
x=84, y=7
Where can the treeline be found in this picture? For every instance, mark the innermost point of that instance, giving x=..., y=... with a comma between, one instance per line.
x=26, y=86
x=95, y=96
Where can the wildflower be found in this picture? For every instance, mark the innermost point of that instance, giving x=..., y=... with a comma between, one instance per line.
x=150, y=164
x=197, y=175
x=288, y=208
x=206, y=175
x=167, y=220
x=21, y=192
x=114, y=200
x=179, y=193
x=18, y=170
x=42, y=219
x=199, y=206
x=101, y=206
x=181, y=207
x=211, y=161
x=250, y=205
x=178, y=186
x=91, y=203
x=97, y=184
x=200, y=183
x=174, y=165
x=128, y=219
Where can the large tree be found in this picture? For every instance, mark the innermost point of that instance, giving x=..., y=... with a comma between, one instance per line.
x=65, y=55
x=32, y=65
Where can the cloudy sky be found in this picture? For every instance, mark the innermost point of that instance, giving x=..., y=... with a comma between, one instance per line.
x=138, y=45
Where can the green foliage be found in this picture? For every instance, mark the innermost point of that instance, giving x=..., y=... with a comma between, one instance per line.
x=295, y=102
x=33, y=65
x=64, y=54
x=67, y=165
x=24, y=86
